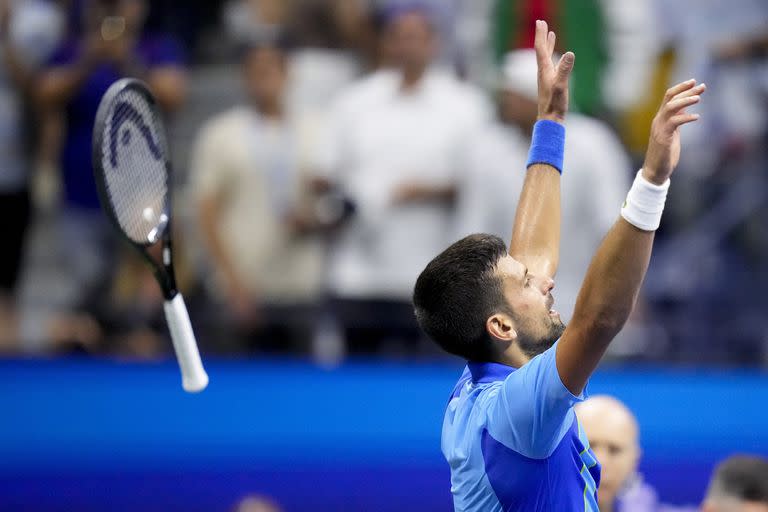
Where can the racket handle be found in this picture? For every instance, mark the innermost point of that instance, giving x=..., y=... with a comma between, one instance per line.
x=193, y=376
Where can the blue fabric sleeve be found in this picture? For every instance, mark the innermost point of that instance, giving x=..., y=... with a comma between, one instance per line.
x=533, y=409
x=161, y=50
x=66, y=53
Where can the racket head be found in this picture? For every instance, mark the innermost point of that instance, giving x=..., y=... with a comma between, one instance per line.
x=131, y=163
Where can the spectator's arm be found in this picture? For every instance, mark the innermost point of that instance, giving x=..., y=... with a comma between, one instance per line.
x=161, y=67
x=55, y=86
x=536, y=234
x=617, y=270
x=210, y=184
x=209, y=208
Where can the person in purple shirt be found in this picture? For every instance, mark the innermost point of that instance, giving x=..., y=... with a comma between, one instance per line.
x=111, y=45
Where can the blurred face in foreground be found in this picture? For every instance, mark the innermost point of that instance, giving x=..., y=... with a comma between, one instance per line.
x=411, y=42
x=265, y=76
x=612, y=432
x=537, y=326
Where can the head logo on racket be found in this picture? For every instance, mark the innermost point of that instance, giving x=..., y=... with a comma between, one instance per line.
x=125, y=113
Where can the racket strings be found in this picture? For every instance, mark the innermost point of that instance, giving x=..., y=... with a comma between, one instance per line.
x=134, y=161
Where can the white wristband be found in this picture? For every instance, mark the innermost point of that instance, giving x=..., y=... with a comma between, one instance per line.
x=645, y=203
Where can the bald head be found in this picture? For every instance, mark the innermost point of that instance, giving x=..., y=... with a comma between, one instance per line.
x=613, y=435
x=603, y=412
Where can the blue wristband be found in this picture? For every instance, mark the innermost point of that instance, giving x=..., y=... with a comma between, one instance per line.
x=547, y=144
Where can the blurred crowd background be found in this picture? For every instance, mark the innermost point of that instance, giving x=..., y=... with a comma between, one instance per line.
x=325, y=150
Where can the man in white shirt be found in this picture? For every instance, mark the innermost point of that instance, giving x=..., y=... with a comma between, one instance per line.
x=597, y=178
x=255, y=207
x=395, y=139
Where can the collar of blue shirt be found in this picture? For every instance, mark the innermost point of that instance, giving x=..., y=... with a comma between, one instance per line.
x=483, y=373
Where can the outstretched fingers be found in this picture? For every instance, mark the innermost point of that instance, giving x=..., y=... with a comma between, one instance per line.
x=693, y=91
x=551, y=38
x=677, y=106
x=565, y=66
x=681, y=119
x=542, y=46
x=677, y=99
x=679, y=88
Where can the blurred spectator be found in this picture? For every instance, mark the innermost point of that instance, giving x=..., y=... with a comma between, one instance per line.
x=444, y=17
x=714, y=224
x=613, y=433
x=595, y=179
x=739, y=484
x=334, y=43
x=701, y=31
x=254, y=202
x=28, y=33
x=395, y=137
x=112, y=45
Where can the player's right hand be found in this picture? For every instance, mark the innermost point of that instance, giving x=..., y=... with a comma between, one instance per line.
x=663, y=152
x=553, y=80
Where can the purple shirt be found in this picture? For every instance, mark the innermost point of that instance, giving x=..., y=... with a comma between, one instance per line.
x=77, y=172
x=641, y=497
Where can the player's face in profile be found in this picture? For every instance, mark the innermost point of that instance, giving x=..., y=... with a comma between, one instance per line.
x=530, y=298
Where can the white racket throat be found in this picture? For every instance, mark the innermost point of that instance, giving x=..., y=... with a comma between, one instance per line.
x=193, y=376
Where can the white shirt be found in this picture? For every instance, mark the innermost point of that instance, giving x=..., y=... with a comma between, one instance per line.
x=596, y=178
x=256, y=166
x=382, y=138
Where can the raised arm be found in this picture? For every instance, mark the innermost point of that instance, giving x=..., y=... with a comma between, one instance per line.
x=617, y=270
x=536, y=234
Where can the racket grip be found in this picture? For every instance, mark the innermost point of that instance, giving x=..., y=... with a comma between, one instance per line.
x=193, y=376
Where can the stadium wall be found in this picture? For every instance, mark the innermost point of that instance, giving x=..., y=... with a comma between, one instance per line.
x=93, y=435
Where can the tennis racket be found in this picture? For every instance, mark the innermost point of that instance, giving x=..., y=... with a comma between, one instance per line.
x=133, y=177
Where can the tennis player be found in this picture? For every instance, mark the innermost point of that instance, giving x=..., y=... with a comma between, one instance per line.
x=510, y=435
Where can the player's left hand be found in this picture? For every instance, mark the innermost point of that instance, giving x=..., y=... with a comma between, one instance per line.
x=553, y=80
x=663, y=153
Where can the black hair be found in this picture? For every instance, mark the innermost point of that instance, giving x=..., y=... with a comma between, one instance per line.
x=279, y=41
x=386, y=16
x=458, y=291
x=743, y=477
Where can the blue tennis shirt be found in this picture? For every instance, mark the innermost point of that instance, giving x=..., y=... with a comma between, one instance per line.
x=514, y=443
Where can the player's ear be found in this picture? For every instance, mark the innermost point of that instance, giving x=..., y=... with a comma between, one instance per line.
x=501, y=327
